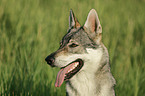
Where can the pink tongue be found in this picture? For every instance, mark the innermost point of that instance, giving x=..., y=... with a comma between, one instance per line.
x=61, y=75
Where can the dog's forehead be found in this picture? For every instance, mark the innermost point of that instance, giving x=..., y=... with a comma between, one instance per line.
x=79, y=35
x=75, y=34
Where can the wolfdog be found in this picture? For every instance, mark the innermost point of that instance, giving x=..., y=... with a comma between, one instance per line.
x=83, y=59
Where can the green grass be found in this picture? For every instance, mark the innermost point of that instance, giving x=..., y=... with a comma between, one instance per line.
x=32, y=29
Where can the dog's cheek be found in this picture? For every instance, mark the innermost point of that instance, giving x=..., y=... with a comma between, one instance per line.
x=60, y=61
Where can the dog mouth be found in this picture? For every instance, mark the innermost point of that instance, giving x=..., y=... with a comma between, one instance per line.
x=68, y=71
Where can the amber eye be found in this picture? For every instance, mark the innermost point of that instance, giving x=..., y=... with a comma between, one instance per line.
x=73, y=45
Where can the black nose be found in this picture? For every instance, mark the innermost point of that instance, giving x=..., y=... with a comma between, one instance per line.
x=50, y=60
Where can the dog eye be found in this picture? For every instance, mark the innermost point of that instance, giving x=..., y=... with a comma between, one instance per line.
x=73, y=45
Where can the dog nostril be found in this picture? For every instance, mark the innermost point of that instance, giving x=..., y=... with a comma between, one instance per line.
x=50, y=61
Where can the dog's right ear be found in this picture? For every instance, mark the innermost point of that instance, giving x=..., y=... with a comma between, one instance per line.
x=73, y=22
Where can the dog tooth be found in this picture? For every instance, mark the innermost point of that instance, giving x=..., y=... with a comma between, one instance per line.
x=76, y=64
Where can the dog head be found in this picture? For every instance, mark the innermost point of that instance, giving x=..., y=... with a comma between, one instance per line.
x=79, y=49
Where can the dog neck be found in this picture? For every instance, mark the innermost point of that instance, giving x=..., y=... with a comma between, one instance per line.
x=77, y=86
x=86, y=84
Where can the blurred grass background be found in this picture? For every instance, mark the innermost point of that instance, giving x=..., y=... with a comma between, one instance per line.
x=32, y=29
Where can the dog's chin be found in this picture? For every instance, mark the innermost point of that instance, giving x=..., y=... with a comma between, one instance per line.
x=68, y=71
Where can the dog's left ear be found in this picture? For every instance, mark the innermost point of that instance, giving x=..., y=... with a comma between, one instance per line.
x=73, y=22
x=93, y=26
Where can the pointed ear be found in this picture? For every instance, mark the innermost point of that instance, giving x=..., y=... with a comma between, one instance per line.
x=73, y=22
x=93, y=26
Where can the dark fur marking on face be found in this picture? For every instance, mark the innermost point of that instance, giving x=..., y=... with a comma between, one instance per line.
x=68, y=36
x=78, y=34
